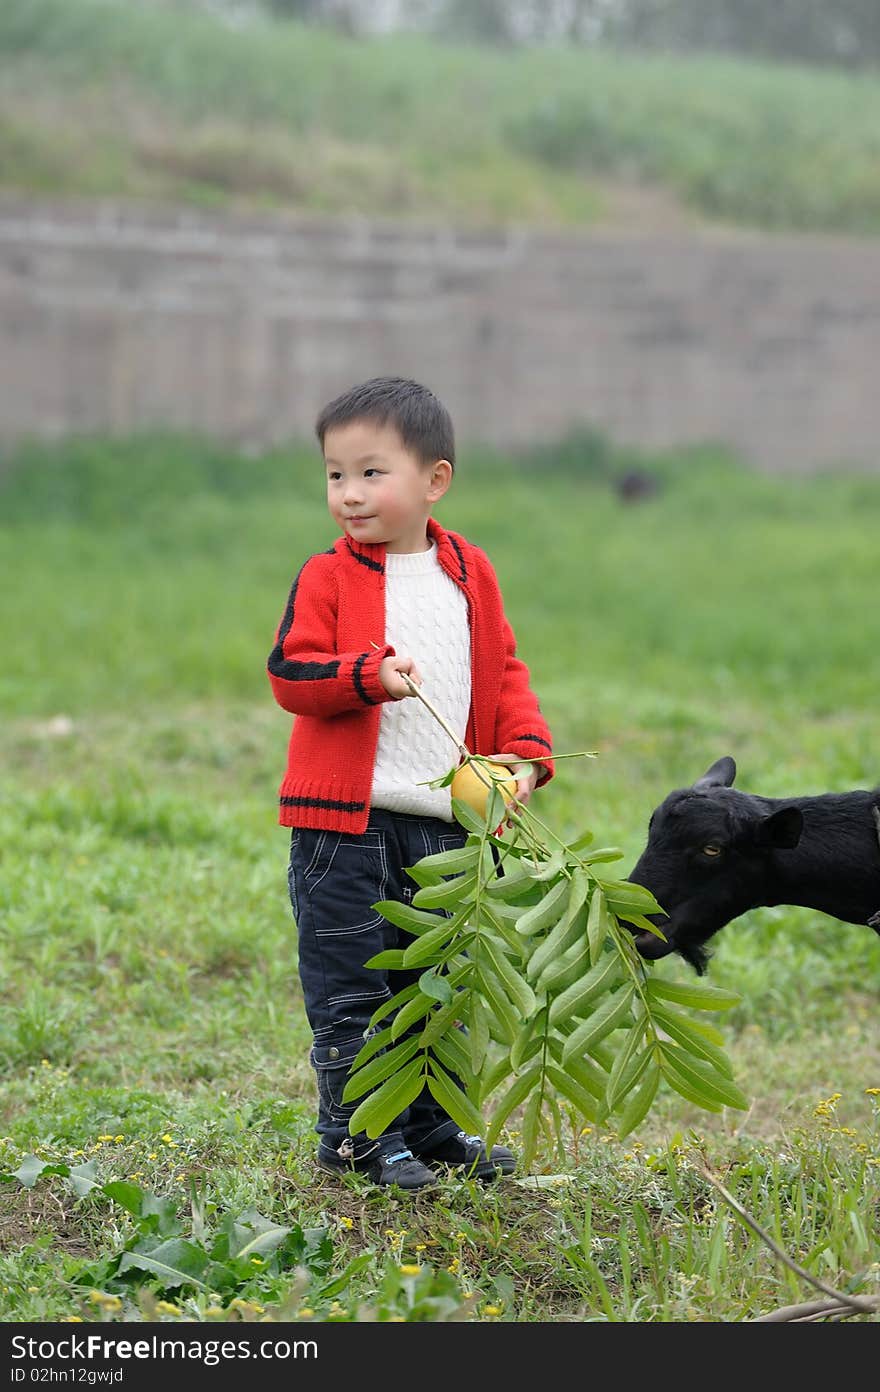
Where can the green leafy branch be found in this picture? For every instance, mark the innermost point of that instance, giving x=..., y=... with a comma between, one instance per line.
x=531, y=990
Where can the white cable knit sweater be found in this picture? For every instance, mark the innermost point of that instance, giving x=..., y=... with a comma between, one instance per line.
x=426, y=618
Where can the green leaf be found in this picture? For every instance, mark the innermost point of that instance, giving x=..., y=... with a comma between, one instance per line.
x=465, y=815
x=607, y=1017
x=546, y=912
x=128, y=1196
x=176, y=1263
x=424, y=948
x=31, y=1169
x=634, y=896
x=452, y=1052
x=602, y=854
x=598, y=980
x=696, y=995
x=638, y=920
x=389, y=960
x=494, y=995
x=414, y=1010
x=513, y=884
x=704, y=1080
x=451, y=894
x=519, y=1049
x=393, y=1003
x=415, y=921
x=453, y=1101
x=580, y=843
x=682, y=1030
x=570, y=966
x=551, y=867
x=513, y=1098
x=442, y=1020
x=680, y=1084
x=376, y=1113
x=530, y=1128
x=521, y=995
x=327, y=1292
x=492, y=1077
x=569, y=928
x=618, y=1083
x=436, y=986
x=452, y=862
x=639, y=1102
x=252, y=1235
x=597, y=924
x=584, y=1070
x=478, y=1033
x=378, y=1069
x=570, y=1088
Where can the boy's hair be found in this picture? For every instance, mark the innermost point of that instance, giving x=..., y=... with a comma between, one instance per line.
x=420, y=419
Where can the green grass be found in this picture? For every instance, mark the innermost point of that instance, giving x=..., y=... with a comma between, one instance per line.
x=151, y=1023
x=102, y=98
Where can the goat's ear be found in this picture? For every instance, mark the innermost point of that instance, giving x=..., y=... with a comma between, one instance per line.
x=721, y=774
x=781, y=830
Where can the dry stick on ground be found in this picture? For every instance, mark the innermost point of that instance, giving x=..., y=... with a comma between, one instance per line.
x=839, y=1304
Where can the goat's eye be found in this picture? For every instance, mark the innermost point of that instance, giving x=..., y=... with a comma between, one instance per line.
x=711, y=850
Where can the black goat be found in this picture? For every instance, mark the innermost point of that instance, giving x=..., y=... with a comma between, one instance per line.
x=714, y=852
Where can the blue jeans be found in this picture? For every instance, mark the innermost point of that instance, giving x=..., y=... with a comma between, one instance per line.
x=335, y=878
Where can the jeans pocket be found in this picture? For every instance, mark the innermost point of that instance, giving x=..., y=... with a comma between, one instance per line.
x=332, y=1065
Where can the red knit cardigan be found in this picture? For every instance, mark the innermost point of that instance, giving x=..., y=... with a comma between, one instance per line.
x=324, y=668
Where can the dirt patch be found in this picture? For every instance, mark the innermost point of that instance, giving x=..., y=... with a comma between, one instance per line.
x=29, y=1214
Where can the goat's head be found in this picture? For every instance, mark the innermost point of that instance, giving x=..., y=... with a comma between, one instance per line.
x=705, y=861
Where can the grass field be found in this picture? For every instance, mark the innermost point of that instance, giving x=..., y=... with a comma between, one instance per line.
x=153, y=1047
x=107, y=98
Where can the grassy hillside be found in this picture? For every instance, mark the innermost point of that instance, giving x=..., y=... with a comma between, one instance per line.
x=98, y=97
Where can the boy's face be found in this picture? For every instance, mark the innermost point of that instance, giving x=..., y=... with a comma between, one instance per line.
x=377, y=490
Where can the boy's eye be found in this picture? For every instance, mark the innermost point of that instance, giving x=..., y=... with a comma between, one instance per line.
x=333, y=476
x=367, y=472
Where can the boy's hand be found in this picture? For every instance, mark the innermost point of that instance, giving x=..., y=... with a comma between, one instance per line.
x=526, y=774
x=390, y=669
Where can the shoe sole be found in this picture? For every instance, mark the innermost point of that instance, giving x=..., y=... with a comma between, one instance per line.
x=487, y=1173
x=340, y=1172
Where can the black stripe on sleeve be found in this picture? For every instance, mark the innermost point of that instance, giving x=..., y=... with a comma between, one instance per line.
x=536, y=739
x=358, y=683
x=290, y=670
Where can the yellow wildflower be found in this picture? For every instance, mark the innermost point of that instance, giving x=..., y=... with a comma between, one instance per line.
x=410, y=1270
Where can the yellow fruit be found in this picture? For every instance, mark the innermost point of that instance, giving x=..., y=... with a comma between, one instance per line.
x=469, y=786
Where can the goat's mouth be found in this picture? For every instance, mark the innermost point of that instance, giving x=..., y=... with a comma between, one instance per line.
x=652, y=947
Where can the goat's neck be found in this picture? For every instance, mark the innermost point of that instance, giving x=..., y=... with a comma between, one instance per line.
x=835, y=867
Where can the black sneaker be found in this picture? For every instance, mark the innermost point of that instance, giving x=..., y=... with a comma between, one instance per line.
x=399, y=1167
x=468, y=1153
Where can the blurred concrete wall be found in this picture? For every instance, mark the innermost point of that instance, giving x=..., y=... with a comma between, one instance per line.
x=118, y=318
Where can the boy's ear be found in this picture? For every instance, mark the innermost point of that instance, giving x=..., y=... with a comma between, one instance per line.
x=441, y=477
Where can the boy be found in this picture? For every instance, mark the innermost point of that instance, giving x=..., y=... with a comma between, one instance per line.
x=396, y=594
